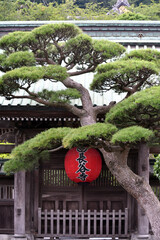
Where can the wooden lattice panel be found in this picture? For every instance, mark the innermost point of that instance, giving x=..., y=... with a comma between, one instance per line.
x=58, y=178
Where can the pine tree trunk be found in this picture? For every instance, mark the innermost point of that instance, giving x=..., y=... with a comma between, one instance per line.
x=136, y=186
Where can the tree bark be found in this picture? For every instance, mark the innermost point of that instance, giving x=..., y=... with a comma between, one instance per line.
x=87, y=119
x=135, y=185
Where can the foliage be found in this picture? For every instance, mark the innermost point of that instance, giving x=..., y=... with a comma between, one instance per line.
x=108, y=49
x=57, y=32
x=83, y=3
x=64, y=43
x=15, y=79
x=53, y=52
x=88, y=135
x=152, y=10
x=142, y=108
x=56, y=53
x=144, y=54
x=64, y=96
x=84, y=48
x=12, y=42
x=156, y=166
x=95, y=11
x=132, y=16
x=6, y=143
x=78, y=10
x=5, y=155
x=27, y=155
x=17, y=59
x=29, y=10
x=133, y=134
x=122, y=75
x=7, y=10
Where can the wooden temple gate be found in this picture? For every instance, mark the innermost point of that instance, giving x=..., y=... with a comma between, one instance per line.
x=71, y=209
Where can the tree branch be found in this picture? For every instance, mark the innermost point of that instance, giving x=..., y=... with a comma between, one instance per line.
x=104, y=109
x=69, y=83
x=70, y=66
x=56, y=149
x=91, y=69
x=44, y=60
x=85, y=96
x=59, y=48
x=108, y=146
x=73, y=109
x=138, y=85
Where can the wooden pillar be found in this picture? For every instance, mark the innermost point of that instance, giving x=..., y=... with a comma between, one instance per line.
x=131, y=202
x=23, y=200
x=19, y=204
x=36, y=199
x=22, y=205
x=143, y=171
x=28, y=203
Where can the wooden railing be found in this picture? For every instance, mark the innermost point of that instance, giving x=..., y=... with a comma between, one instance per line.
x=6, y=192
x=82, y=224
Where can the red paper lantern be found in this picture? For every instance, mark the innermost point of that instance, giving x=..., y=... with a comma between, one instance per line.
x=82, y=164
